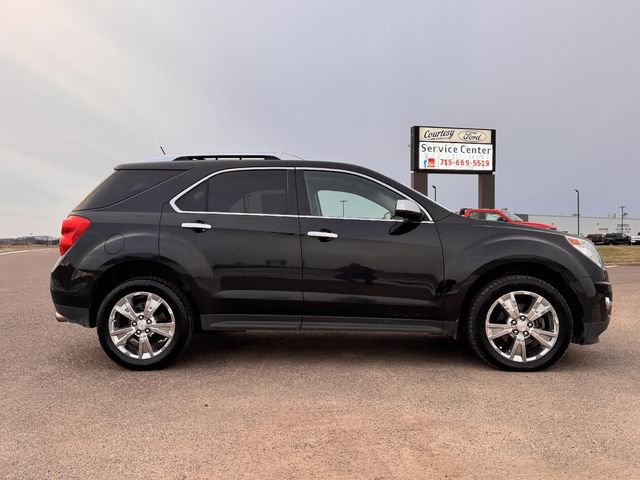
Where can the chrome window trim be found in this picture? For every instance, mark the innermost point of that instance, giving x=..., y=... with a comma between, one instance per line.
x=173, y=201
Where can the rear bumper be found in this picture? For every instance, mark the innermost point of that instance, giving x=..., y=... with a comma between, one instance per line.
x=79, y=315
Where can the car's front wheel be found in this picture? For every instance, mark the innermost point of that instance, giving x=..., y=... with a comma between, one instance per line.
x=144, y=323
x=518, y=322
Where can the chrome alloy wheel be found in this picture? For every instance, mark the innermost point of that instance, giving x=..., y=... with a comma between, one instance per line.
x=522, y=326
x=141, y=325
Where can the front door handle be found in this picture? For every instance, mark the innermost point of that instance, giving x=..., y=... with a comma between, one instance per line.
x=200, y=226
x=323, y=235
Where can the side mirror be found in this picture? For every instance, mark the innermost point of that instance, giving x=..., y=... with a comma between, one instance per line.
x=408, y=210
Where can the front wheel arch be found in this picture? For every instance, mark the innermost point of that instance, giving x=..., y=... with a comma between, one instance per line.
x=557, y=277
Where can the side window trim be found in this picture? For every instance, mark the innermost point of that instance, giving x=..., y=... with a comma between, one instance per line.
x=175, y=207
x=173, y=201
x=428, y=219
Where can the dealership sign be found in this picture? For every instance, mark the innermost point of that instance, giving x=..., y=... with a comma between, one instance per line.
x=453, y=150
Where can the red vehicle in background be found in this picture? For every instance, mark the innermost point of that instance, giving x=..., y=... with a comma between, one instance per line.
x=498, y=215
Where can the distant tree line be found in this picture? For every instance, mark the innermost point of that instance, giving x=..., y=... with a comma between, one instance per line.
x=30, y=240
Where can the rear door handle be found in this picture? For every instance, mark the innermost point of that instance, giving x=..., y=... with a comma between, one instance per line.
x=196, y=226
x=323, y=235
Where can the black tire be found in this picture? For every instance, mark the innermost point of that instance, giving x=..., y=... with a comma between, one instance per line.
x=181, y=311
x=490, y=293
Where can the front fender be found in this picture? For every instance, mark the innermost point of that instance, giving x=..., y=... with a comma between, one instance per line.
x=473, y=250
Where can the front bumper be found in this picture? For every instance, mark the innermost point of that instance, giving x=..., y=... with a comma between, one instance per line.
x=597, y=315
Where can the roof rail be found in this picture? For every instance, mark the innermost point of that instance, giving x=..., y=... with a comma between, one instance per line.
x=237, y=156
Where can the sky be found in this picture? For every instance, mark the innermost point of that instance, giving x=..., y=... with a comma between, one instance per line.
x=85, y=86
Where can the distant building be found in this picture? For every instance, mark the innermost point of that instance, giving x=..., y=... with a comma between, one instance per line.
x=569, y=223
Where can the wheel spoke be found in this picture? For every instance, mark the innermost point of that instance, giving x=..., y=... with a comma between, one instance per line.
x=540, y=334
x=519, y=347
x=151, y=305
x=510, y=306
x=126, y=312
x=144, y=346
x=126, y=335
x=498, y=330
x=538, y=309
x=120, y=331
x=164, y=329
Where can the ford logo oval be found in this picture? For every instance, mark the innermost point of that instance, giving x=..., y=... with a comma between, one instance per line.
x=472, y=136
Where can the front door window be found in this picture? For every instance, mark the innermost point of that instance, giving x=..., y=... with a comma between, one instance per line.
x=336, y=194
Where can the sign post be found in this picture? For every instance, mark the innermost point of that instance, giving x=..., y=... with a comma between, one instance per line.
x=454, y=150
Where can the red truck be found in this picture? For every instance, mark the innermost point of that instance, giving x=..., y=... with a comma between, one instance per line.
x=498, y=215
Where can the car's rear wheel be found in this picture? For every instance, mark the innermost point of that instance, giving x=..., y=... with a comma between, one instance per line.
x=144, y=323
x=519, y=322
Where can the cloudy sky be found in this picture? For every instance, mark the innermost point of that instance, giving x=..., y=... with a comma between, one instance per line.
x=88, y=85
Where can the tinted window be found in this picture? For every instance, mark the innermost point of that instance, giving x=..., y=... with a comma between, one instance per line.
x=249, y=191
x=123, y=184
x=335, y=194
x=477, y=215
x=195, y=200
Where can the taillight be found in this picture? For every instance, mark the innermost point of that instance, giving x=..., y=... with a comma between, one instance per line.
x=72, y=229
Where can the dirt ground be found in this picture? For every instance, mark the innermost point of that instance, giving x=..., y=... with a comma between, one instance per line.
x=308, y=405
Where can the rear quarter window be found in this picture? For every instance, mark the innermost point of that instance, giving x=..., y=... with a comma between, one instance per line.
x=123, y=184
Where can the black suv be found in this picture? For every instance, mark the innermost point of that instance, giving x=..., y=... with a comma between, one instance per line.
x=161, y=249
x=617, y=239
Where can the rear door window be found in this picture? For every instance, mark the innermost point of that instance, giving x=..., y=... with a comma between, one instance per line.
x=195, y=200
x=263, y=191
x=249, y=191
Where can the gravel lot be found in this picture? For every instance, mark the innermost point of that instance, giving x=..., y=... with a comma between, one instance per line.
x=308, y=405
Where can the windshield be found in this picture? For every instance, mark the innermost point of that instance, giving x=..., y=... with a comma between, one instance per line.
x=512, y=216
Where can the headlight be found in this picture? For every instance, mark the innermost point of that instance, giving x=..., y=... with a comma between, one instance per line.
x=587, y=248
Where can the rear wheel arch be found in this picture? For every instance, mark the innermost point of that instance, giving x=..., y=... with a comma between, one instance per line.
x=126, y=270
x=555, y=275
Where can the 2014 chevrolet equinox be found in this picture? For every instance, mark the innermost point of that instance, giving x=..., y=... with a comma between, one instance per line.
x=161, y=249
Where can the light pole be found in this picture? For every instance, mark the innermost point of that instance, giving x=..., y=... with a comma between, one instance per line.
x=578, y=205
x=435, y=193
x=343, y=202
x=622, y=207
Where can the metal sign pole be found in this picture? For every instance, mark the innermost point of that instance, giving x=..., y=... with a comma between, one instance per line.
x=420, y=182
x=487, y=191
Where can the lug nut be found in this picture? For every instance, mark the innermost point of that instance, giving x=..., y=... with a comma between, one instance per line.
x=148, y=322
x=134, y=323
x=147, y=330
x=138, y=332
x=526, y=334
x=516, y=331
x=529, y=324
x=140, y=317
x=513, y=322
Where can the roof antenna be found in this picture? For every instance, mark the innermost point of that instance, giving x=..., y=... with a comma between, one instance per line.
x=163, y=152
